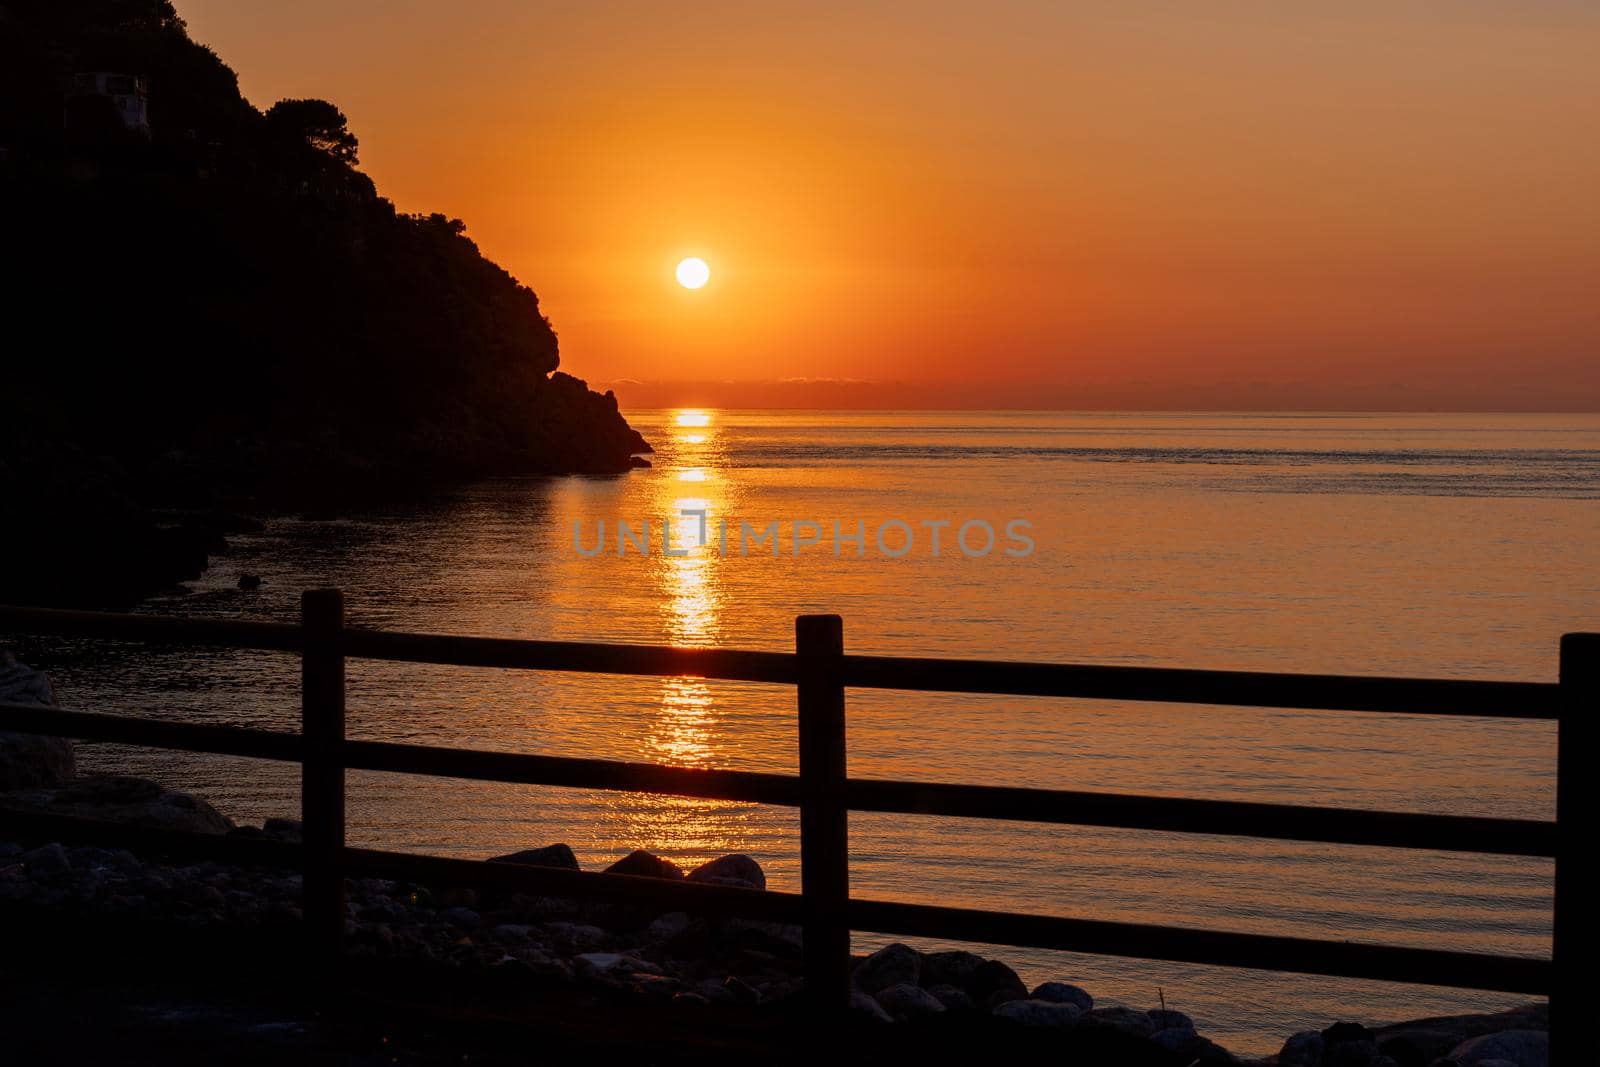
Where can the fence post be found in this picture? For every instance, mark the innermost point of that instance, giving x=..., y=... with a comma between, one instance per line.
x=322, y=768
x=1575, y=750
x=824, y=822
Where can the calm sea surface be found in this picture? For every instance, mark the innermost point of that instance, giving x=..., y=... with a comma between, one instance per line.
x=1454, y=546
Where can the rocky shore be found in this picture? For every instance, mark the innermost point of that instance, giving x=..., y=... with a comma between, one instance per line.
x=682, y=961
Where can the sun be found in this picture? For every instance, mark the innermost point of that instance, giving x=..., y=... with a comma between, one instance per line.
x=693, y=273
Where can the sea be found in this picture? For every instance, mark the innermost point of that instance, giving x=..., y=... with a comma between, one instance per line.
x=1437, y=545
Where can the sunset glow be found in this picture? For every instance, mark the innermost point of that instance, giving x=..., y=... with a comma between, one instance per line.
x=1132, y=203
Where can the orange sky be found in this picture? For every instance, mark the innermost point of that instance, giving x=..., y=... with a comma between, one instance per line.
x=1323, y=201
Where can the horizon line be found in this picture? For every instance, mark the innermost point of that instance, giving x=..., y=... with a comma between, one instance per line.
x=824, y=394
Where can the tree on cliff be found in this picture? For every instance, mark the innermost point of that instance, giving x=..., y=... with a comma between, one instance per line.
x=316, y=123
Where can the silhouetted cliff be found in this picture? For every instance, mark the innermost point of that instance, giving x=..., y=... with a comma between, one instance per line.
x=205, y=301
x=227, y=275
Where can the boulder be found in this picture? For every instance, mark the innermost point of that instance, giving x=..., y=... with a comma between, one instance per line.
x=1418, y=1048
x=280, y=829
x=668, y=927
x=1191, y=1047
x=46, y=859
x=641, y=864
x=122, y=799
x=1302, y=1050
x=739, y=991
x=905, y=1001
x=738, y=870
x=992, y=982
x=953, y=998
x=1421, y=1041
x=1339, y=1033
x=864, y=1007
x=1172, y=1039
x=21, y=684
x=1165, y=1019
x=1531, y=1016
x=1358, y=1053
x=1525, y=1048
x=1063, y=993
x=780, y=940
x=606, y=967
x=29, y=761
x=891, y=965
x=1039, y=1013
x=575, y=937
x=1124, y=1020
x=557, y=855
x=953, y=967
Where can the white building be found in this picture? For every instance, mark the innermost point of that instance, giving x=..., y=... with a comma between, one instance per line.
x=127, y=93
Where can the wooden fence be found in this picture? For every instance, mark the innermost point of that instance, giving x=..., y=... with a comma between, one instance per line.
x=820, y=671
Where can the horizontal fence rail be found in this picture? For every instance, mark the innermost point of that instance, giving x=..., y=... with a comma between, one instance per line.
x=153, y=733
x=821, y=673
x=1412, y=696
x=749, y=786
x=1288, y=822
x=1348, y=826
x=1305, y=692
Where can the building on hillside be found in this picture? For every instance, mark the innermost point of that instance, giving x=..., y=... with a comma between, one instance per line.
x=127, y=93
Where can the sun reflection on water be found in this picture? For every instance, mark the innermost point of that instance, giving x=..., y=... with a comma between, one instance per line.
x=688, y=729
x=682, y=733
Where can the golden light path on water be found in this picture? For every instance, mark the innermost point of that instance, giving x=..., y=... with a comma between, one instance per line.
x=687, y=731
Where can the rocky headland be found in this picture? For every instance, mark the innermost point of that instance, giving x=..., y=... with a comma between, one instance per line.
x=216, y=316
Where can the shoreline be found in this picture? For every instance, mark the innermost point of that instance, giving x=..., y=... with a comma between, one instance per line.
x=688, y=962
